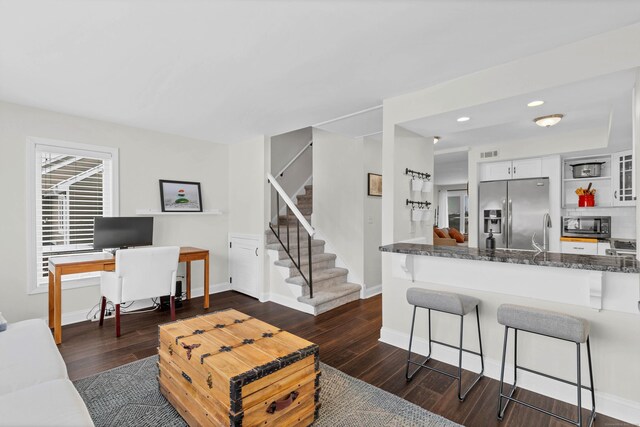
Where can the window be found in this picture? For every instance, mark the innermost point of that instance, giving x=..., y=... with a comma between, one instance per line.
x=72, y=185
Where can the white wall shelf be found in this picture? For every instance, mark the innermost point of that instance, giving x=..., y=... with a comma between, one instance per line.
x=153, y=212
x=598, y=178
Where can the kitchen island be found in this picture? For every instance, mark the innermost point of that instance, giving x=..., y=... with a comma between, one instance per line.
x=514, y=256
x=603, y=289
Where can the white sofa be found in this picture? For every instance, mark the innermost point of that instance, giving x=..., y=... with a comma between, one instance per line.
x=34, y=387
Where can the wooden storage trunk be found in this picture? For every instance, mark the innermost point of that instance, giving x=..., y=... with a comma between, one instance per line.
x=228, y=368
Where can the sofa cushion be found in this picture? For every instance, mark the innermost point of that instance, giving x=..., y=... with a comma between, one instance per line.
x=439, y=233
x=54, y=403
x=455, y=234
x=29, y=356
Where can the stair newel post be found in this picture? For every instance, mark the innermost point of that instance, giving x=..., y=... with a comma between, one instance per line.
x=310, y=269
x=298, y=237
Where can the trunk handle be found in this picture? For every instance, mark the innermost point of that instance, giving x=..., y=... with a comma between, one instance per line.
x=279, y=405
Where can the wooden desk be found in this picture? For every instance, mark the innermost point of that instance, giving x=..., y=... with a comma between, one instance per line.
x=73, y=264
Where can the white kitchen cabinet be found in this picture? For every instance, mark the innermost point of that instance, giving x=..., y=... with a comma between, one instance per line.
x=495, y=171
x=602, y=247
x=622, y=178
x=579, y=248
x=526, y=168
x=516, y=169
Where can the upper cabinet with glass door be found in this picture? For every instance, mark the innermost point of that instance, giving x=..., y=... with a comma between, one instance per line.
x=622, y=178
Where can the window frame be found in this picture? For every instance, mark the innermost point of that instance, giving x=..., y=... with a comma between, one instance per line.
x=33, y=143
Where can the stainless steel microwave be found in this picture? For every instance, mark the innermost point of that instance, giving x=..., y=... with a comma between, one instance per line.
x=596, y=227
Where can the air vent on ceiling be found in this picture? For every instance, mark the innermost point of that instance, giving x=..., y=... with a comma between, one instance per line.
x=489, y=154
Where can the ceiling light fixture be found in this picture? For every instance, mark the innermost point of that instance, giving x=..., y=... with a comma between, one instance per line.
x=548, y=121
x=463, y=119
x=436, y=139
x=535, y=103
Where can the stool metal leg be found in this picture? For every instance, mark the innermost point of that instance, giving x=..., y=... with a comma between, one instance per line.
x=413, y=321
x=579, y=387
x=461, y=397
x=409, y=375
x=577, y=384
x=593, y=392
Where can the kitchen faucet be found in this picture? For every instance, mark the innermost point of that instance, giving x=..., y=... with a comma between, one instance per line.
x=546, y=224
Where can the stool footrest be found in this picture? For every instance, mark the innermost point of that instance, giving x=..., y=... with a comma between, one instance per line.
x=522, y=368
x=510, y=398
x=456, y=347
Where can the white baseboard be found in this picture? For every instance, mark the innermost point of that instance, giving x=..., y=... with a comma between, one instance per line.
x=369, y=291
x=607, y=404
x=291, y=303
x=78, y=316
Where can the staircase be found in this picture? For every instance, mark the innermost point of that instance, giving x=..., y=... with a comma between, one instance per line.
x=330, y=286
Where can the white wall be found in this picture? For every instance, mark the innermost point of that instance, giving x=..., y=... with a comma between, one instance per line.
x=284, y=148
x=372, y=153
x=338, y=198
x=248, y=186
x=451, y=173
x=249, y=198
x=145, y=157
x=415, y=152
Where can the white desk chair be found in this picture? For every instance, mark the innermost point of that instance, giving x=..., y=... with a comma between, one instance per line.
x=140, y=274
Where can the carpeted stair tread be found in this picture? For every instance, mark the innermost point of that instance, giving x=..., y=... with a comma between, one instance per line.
x=320, y=276
x=304, y=260
x=325, y=296
x=294, y=244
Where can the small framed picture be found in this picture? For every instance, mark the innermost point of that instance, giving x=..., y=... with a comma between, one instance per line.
x=375, y=185
x=180, y=196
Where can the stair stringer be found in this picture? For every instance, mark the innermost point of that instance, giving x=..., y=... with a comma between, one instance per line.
x=280, y=291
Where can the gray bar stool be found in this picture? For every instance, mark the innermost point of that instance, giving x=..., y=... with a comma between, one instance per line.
x=445, y=302
x=554, y=325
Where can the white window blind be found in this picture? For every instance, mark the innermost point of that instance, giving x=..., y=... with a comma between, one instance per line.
x=72, y=187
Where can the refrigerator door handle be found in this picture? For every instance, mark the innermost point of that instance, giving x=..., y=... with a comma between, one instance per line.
x=510, y=221
x=504, y=223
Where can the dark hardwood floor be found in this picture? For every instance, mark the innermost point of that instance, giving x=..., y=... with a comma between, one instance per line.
x=348, y=339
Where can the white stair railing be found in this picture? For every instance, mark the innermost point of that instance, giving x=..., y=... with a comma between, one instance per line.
x=300, y=220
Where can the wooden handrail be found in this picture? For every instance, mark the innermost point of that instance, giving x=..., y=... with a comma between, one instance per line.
x=291, y=205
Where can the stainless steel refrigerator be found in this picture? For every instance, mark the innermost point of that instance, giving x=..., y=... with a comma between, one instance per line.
x=514, y=210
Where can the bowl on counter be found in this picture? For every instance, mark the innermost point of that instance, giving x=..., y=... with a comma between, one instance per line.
x=587, y=170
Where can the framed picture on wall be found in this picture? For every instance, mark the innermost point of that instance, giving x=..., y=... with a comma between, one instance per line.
x=180, y=196
x=375, y=185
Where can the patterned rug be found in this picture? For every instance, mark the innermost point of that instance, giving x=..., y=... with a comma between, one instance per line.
x=129, y=396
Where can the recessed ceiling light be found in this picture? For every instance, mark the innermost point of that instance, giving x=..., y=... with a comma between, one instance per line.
x=535, y=103
x=548, y=121
x=436, y=139
x=463, y=119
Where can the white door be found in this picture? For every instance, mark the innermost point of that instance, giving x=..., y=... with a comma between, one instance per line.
x=495, y=171
x=526, y=168
x=622, y=178
x=244, y=264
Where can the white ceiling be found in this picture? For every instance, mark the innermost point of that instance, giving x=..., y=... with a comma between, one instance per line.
x=586, y=104
x=224, y=71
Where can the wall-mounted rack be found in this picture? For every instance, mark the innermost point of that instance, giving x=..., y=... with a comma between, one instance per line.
x=418, y=204
x=417, y=174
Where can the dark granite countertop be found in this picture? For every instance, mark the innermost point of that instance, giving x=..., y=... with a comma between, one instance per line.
x=544, y=259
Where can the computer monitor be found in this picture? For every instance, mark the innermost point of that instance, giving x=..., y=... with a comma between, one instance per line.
x=122, y=232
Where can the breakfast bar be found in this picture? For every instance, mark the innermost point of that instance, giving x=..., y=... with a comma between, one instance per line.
x=604, y=290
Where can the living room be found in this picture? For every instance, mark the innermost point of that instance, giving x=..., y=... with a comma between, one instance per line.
x=253, y=139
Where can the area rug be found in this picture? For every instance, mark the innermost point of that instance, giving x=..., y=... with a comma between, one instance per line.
x=129, y=396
